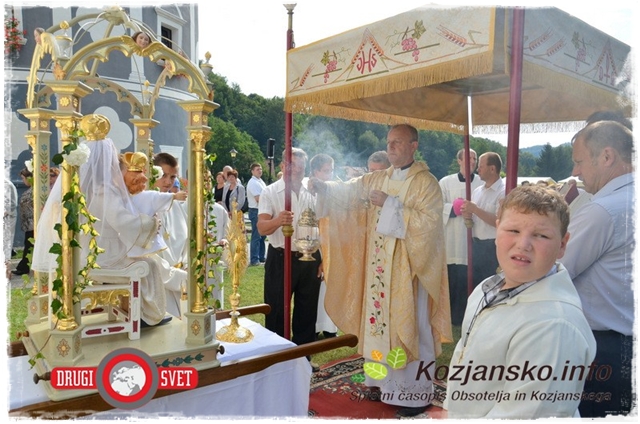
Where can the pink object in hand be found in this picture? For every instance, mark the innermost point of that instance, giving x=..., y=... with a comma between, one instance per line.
x=457, y=205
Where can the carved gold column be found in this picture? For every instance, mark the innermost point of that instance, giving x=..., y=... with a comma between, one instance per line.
x=199, y=317
x=68, y=94
x=38, y=137
x=144, y=142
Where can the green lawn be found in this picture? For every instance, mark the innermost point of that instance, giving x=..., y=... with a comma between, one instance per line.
x=251, y=290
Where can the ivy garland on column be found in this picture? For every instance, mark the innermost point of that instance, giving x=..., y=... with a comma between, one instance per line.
x=206, y=260
x=79, y=221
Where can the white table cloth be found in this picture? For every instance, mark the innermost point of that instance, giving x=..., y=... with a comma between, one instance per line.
x=281, y=390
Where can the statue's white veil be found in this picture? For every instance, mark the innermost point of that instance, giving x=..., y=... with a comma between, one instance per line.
x=102, y=184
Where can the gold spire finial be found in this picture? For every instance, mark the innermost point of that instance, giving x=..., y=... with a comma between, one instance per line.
x=95, y=127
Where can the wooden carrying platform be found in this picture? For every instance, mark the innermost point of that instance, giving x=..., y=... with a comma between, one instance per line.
x=90, y=403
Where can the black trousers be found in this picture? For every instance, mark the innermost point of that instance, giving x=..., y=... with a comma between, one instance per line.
x=485, y=261
x=23, y=265
x=305, y=287
x=458, y=292
x=608, y=389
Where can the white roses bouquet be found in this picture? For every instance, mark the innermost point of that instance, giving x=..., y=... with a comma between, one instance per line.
x=78, y=156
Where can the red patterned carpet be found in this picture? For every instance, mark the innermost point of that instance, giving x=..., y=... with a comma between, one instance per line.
x=337, y=392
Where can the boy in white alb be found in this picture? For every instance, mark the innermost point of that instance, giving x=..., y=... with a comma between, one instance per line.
x=524, y=337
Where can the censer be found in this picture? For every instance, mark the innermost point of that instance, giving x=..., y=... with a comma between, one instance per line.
x=307, y=235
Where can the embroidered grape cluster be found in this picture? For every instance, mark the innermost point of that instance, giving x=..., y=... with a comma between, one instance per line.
x=410, y=44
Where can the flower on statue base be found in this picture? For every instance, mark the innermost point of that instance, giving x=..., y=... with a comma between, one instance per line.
x=29, y=165
x=78, y=156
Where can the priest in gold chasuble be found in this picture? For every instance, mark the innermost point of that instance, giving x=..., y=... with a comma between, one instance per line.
x=387, y=270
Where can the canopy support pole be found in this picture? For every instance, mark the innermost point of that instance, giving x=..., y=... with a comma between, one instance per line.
x=467, y=187
x=515, y=98
x=288, y=230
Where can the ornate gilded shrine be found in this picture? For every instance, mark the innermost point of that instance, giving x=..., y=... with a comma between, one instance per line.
x=54, y=97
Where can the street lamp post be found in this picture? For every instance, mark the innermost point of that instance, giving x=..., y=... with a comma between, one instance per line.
x=233, y=153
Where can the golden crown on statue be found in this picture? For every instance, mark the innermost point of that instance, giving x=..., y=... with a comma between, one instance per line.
x=95, y=127
x=135, y=161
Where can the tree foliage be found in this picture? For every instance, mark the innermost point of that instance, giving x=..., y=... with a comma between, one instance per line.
x=227, y=137
x=555, y=162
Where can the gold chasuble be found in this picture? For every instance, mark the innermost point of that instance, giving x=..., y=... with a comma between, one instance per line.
x=372, y=279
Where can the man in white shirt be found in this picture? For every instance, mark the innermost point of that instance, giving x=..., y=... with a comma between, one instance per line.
x=305, y=275
x=483, y=209
x=454, y=187
x=255, y=186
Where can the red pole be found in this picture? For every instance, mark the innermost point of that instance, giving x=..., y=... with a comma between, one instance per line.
x=515, y=97
x=288, y=131
x=467, y=187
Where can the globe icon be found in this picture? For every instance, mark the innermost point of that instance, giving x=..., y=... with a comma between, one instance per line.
x=128, y=379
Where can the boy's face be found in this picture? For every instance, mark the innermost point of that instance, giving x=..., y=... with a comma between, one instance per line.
x=169, y=175
x=527, y=245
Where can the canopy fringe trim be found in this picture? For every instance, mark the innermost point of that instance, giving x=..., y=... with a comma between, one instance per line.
x=475, y=65
x=374, y=117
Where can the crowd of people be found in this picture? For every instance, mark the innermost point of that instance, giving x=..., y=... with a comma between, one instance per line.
x=551, y=310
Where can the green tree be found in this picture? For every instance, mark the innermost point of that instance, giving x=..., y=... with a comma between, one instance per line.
x=526, y=164
x=225, y=136
x=439, y=148
x=255, y=115
x=546, y=162
x=554, y=162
